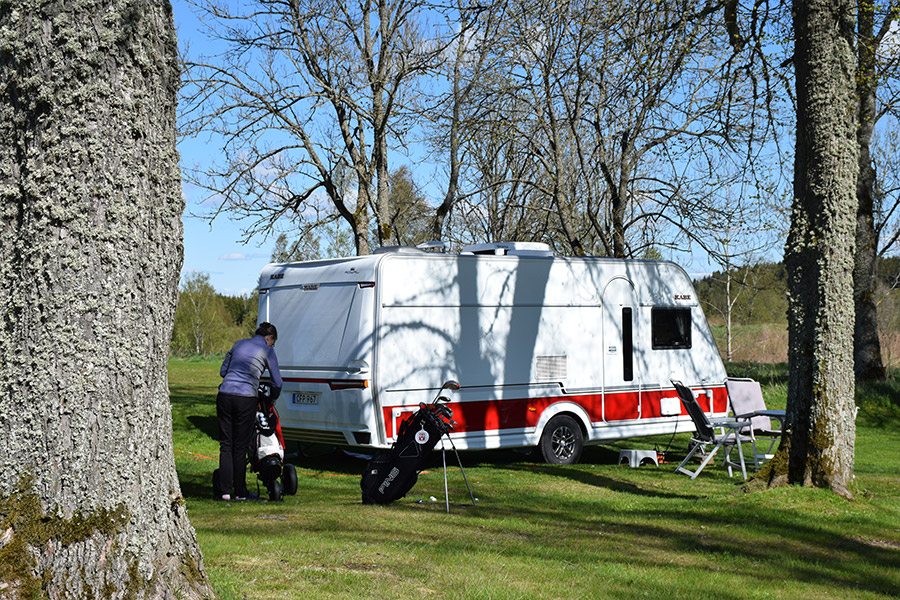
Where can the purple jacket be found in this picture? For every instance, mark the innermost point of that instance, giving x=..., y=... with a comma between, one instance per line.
x=244, y=365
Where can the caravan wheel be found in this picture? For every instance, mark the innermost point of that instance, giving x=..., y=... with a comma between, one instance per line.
x=562, y=441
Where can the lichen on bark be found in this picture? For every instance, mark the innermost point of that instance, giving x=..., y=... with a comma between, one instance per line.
x=26, y=529
x=90, y=215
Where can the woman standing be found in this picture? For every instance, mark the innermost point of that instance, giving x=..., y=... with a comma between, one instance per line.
x=236, y=406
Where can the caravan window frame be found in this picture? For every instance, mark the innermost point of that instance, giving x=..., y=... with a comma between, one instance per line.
x=671, y=328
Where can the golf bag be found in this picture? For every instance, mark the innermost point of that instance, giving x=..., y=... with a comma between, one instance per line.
x=267, y=451
x=392, y=473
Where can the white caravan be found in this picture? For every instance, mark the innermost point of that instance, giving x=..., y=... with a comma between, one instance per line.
x=548, y=351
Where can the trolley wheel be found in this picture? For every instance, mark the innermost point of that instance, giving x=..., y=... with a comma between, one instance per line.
x=274, y=488
x=562, y=441
x=289, y=479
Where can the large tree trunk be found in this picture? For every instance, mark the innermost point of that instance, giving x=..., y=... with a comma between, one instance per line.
x=818, y=443
x=90, y=209
x=868, y=364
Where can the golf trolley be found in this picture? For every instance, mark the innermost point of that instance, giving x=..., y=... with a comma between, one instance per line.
x=392, y=473
x=267, y=451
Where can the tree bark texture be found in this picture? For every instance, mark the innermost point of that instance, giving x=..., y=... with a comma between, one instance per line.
x=820, y=429
x=868, y=364
x=90, y=222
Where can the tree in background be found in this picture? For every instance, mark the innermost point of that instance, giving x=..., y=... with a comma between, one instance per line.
x=207, y=322
x=306, y=95
x=759, y=293
x=203, y=324
x=604, y=126
x=817, y=446
x=462, y=66
x=757, y=30
x=243, y=311
x=410, y=215
x=90, y=217
x=327, y=240
x=594, y=127
x=877, y=65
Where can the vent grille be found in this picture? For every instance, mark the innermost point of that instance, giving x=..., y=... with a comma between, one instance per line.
x=550, y=367
x=314, y=435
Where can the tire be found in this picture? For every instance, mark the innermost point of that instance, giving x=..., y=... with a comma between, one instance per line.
x=562, y=441
x=274, y=490
x=289, y=479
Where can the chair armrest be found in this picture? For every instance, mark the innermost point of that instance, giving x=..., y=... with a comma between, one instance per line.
x=730, y=423
x=772, y=414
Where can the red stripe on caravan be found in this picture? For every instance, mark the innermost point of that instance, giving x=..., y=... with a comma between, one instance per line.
x=518, y=413
x=333, y=384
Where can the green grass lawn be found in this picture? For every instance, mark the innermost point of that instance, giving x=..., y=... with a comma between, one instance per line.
x=592, y=530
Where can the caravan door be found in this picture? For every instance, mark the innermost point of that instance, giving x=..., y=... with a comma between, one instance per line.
x=621, y=377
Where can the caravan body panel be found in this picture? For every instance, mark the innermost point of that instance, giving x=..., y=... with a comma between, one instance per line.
x=362, y=341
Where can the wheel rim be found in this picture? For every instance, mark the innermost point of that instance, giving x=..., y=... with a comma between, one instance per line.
x=563, y=441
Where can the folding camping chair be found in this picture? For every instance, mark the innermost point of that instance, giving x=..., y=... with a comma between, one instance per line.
x=745, y=396
x=728, y=438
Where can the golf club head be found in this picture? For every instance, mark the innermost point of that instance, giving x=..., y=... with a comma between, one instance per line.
x=451, y=384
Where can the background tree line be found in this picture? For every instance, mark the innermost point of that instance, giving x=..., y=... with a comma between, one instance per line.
x=207, y=322
x=747, y=308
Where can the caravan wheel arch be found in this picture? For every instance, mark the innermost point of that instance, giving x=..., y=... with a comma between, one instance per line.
x=562, y=446
x=562, y=408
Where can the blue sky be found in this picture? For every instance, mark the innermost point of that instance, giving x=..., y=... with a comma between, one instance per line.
x=214, y=248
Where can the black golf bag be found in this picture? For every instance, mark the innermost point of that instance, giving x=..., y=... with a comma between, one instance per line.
x=392, y=473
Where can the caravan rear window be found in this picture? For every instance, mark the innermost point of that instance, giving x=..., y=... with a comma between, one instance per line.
x=670, y=328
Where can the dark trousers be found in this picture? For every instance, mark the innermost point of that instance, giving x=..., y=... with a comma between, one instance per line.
x=237, y=415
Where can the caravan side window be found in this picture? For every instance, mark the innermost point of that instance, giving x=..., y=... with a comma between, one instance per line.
x=627, y=345
x=670, y=328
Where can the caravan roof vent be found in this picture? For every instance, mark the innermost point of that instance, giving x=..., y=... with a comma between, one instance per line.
x=397, y=250
x=510, y=249
x=433, y=246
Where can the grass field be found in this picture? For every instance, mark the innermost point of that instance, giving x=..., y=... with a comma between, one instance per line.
x=592, y=530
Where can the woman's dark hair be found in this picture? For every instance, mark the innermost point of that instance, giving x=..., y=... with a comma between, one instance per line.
x=266, y=329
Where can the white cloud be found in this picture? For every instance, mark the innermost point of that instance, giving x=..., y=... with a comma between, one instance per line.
x=234, y=256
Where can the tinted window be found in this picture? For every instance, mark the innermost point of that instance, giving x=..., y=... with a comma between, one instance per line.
x=627, y=346
x=671, y=328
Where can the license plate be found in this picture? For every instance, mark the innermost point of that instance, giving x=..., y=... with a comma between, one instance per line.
x=306, y=398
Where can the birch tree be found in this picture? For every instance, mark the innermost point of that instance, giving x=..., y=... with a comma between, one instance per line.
x=90, y=217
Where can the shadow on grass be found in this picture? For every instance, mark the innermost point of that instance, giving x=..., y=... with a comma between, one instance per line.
x=767, y=374
x=771, y=545
x=182, y=397
x=208, y=425
x=879, y=403
x=643, y=533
